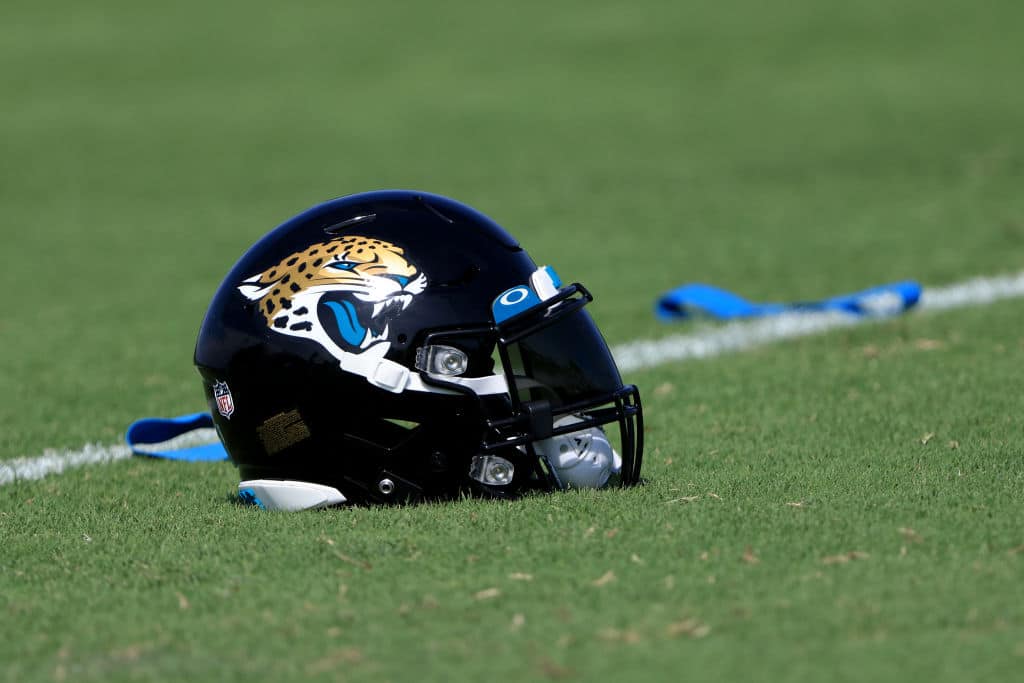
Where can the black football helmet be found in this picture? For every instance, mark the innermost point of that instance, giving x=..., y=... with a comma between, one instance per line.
x=397, y=346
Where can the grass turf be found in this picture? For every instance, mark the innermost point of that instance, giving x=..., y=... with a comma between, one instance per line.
x=815, y=149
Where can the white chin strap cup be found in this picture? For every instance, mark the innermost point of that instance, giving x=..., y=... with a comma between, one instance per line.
x=289, y=496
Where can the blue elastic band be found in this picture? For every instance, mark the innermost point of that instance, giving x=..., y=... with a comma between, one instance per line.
x=148, y=431
x=698, y=299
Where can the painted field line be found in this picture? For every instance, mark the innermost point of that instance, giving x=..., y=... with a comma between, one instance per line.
x=636, y=355
x=55, y=461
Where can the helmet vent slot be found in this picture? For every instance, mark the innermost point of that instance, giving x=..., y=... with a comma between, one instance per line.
x=384, y=433
x=405, y=424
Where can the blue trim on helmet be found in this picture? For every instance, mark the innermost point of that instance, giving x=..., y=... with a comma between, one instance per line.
x=516, y=300
x=513, y=301
x=248, y=497
x=555, y=280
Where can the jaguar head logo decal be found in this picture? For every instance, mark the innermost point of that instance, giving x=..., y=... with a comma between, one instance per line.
x=341, y=293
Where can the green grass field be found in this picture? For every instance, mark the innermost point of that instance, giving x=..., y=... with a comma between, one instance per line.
x=842, y=507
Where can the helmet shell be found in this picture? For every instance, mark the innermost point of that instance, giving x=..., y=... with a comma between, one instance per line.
x=295, y=413
x=317, y=355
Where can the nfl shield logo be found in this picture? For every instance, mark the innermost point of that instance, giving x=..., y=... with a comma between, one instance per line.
x=225, y=404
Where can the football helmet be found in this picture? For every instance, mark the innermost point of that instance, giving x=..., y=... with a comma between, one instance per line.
x=398, y=346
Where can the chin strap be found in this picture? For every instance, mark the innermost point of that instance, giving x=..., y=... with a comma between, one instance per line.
x=693, y=300
x=191, y=438
x=389, y=375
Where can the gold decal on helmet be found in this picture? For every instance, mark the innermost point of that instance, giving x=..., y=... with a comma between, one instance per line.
x=281, y=431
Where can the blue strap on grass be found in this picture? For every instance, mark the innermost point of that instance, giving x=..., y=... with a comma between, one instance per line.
x=695, y=299
x=150, y=436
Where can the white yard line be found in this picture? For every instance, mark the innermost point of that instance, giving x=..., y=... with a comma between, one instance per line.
x=977, y=292
x=54, y=461
x=636, y=355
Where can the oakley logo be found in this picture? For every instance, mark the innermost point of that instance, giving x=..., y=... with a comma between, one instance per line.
x=514, y=296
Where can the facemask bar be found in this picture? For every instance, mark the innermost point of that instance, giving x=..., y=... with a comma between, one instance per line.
x=625, y=409
x=533, y=420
